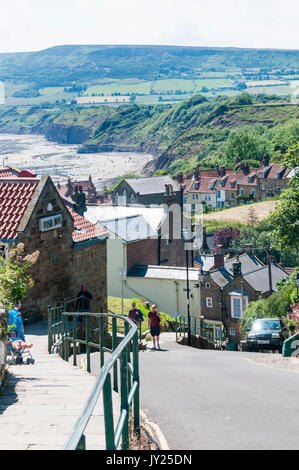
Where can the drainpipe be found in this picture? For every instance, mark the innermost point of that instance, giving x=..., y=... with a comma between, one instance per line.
x=270, y=274
x=177, y=295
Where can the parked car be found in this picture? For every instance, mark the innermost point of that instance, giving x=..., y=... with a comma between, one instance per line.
x=266, y=333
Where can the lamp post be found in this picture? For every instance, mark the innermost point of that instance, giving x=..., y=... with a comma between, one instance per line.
x=188, y=238
x=296, y=279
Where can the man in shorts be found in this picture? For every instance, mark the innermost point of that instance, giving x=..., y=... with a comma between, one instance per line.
x=154, y=319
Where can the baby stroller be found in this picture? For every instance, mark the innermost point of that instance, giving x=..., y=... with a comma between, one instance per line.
x=19, y=351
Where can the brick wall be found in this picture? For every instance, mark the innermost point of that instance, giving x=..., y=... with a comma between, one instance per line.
x=214, y=292
x=142, y=252
x=228, y=320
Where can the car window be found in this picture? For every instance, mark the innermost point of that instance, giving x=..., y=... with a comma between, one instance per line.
x=266, y=325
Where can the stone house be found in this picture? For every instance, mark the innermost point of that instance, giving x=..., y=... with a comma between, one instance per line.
x=147, y=191
x=271, y=179
x=231, y=284
x=72, y=250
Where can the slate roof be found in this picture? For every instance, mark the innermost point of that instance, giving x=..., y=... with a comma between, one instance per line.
x=259, y=279
x=153, y=185
x=163, y=272
x=248, y=263
x=131, y=228
x=15, y=196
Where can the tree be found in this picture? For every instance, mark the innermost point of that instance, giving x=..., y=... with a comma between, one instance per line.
x=14, y=279
x=285, y=217
x=252, y=218
x=225, y=236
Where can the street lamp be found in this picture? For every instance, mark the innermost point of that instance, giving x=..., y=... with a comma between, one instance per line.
x=188, y=237
x=296, y=279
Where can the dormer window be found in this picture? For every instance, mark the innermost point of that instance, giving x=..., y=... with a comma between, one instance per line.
x=196, y=186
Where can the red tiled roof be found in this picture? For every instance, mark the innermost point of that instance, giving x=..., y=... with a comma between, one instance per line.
x=15, y=196
x=85, y=230
x=228, y=179
x=271, y=170
x=203, y=186
x=244, y=178
x=8, y=173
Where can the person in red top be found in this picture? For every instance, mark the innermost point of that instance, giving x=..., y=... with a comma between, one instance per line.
x=154, y=319
x=135, y=314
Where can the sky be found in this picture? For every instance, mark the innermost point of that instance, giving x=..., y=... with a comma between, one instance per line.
x=31, y=25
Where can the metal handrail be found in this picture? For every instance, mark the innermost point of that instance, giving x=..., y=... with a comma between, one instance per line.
x=129, y=388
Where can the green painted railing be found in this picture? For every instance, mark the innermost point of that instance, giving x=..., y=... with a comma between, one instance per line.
x=63, y=334
x=197, y=328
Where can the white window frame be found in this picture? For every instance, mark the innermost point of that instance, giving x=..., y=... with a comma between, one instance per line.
x=243, y=307
x=209, y=302
x=232, y=332
x=208, y=285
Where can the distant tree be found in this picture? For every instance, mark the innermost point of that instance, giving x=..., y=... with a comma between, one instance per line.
x=252, y=218
x=285, y=217
x=225, y=236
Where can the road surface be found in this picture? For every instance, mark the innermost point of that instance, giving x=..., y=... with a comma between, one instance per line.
x=204, y=399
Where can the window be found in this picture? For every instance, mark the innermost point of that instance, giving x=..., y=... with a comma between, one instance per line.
x=232, y=332
x=117, y=199
x=132, y=199
x=263, y=187
x=232, y=196
x=236, y=313
x=242, y=191
x=209, y=301
x=270, y=187
x=252, y=192
x=208, y=285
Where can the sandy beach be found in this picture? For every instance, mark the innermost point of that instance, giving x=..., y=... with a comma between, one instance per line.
x=34, y=152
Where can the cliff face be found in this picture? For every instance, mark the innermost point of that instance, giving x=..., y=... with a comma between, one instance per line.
x=63, y=134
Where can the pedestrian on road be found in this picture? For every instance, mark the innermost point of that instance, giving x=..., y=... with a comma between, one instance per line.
x=154, y=319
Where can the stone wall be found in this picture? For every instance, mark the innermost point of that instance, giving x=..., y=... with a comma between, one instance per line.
x=62, y=265
x=89, y=268
x=52, y=273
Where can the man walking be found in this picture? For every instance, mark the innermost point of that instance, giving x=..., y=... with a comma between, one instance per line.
x=135, y=314
x=154, y=319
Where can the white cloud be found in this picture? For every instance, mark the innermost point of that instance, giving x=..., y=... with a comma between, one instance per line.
x=34, y=24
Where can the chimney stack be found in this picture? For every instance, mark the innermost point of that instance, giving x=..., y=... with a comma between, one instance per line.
x=237, y=269
x=218, y=257
x=196, y=174
x=180, y=177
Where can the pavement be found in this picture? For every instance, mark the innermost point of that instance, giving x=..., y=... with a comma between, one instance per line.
x=40, y=403
x=208, y=400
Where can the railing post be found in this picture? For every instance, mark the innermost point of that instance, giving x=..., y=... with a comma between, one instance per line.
x=136, y=379
x=102, y=340
x=114, y=346
x=108, y=414
x=75, y=338
x=124, y=399
x=128, y=348
x=87, y=339
x=82, y=443
x=49, y=330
